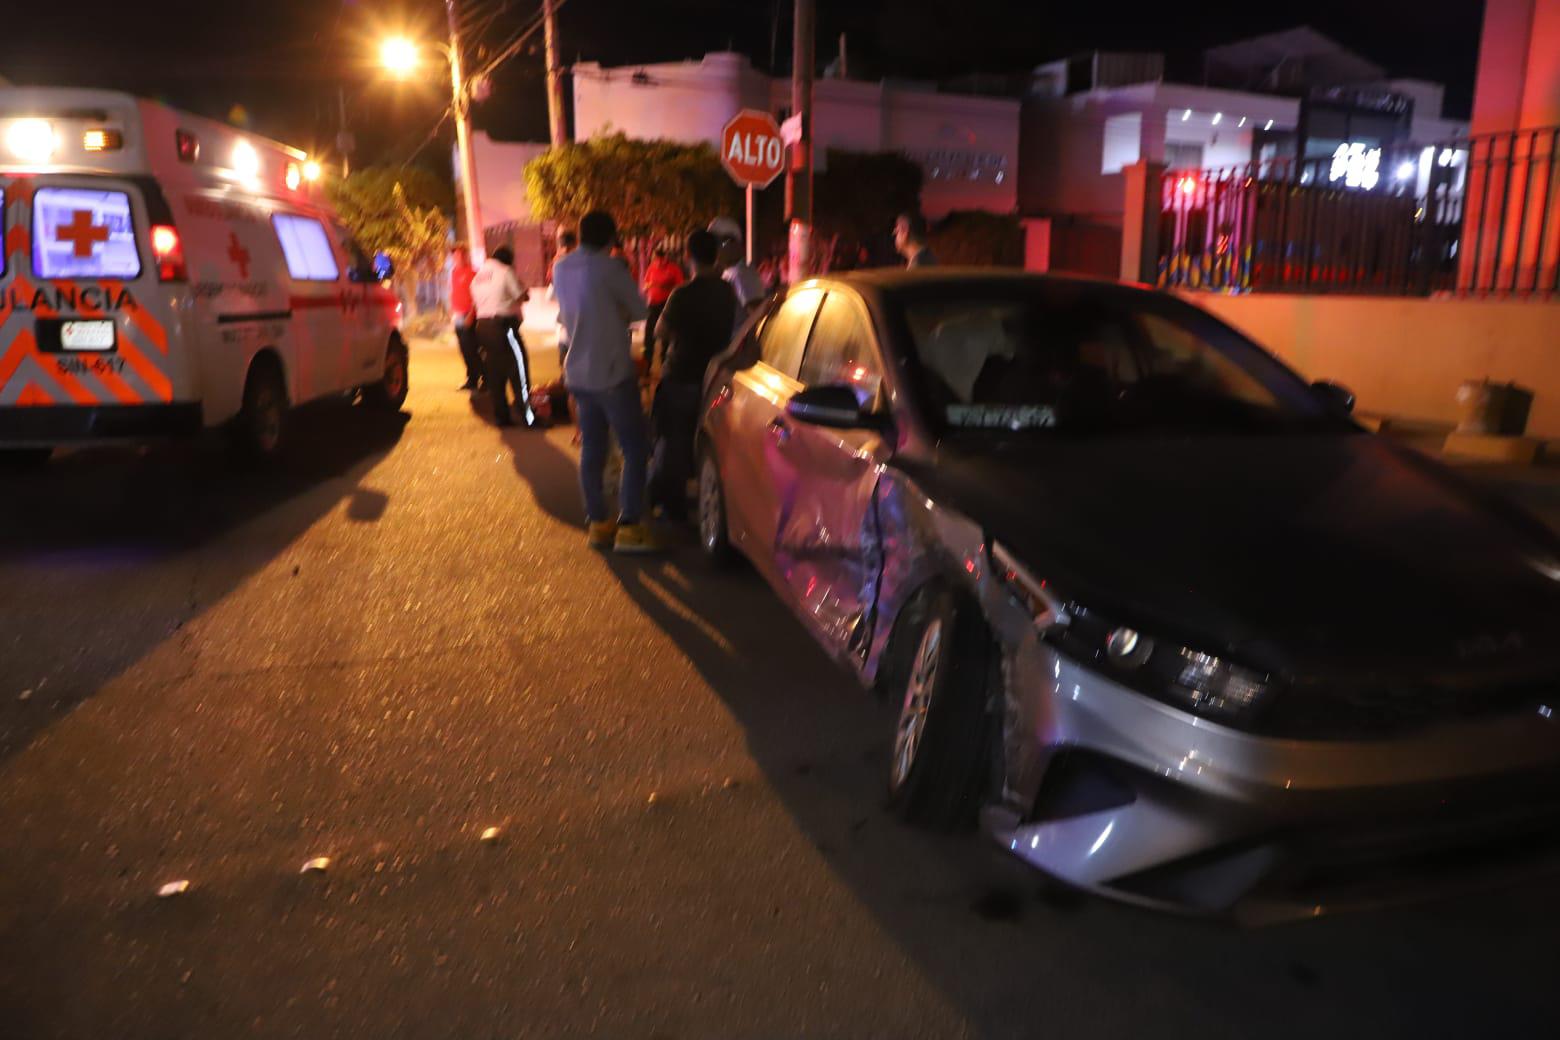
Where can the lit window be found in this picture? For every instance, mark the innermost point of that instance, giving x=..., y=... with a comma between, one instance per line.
x=83, y=233
x=306, y=247
x=1123, y=141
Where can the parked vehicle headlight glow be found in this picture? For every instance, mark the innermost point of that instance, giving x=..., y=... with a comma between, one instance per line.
x=31, y=140
x=1178, y=675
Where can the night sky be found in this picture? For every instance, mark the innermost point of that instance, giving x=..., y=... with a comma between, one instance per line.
x=284, y=62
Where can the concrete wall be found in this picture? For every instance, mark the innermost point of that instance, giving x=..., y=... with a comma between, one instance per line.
x=1406, y=357
x=501, y=178
x=1519, y=66
x=967, y=145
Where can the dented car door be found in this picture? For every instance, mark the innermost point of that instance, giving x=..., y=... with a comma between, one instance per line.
x=827, y=549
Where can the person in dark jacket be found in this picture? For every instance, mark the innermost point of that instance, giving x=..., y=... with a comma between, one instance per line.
x=910, y=240
x=695, y=325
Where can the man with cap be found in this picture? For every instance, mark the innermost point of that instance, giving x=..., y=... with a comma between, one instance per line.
x=734, y=268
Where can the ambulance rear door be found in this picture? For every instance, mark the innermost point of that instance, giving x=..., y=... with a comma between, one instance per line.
x=89, y=307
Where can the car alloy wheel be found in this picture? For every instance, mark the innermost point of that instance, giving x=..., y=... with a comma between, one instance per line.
x=713, y=539
x=919, y=687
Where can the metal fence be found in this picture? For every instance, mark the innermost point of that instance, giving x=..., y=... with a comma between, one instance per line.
x=1479, y=215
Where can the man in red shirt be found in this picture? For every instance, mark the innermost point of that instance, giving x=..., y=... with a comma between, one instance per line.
x=661, y=277
x=464, y=313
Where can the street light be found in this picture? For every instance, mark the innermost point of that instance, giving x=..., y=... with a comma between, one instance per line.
x=399, y=56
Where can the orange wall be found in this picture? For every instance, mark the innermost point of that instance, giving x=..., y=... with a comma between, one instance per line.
x=1403, y=356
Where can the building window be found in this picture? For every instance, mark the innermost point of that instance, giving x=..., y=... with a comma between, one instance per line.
x=1183, y=155
x=1123, y=141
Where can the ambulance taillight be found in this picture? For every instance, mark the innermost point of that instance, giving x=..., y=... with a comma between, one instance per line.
x=169, y=253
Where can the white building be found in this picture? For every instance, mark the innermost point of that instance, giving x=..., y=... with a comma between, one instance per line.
x=967, y=145
x=1293, y=95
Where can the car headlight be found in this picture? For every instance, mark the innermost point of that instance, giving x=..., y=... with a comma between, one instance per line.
x=1163, y=669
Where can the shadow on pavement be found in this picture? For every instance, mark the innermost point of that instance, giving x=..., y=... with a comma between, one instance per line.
x=101, y=556
x=993, y=935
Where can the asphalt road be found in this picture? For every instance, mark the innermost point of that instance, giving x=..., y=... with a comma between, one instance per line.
x=400, y=640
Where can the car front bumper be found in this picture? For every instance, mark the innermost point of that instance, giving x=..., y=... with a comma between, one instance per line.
x=1132, y=798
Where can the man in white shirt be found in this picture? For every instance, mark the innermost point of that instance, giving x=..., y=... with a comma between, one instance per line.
x=497, y=296
x=597, y=301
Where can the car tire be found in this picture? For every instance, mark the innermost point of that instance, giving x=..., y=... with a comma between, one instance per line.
x=389, y=394
x=940, y=678
x=258, y=431
x=714, y=531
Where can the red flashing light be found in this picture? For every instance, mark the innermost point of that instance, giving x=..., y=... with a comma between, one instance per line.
x=169, y=253
x=187, y=145
x=1188, y=185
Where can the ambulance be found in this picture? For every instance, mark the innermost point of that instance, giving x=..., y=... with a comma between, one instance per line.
x=164, y=274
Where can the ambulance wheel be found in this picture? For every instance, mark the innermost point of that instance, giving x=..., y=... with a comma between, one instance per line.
x=258, y=429
x=389, y=393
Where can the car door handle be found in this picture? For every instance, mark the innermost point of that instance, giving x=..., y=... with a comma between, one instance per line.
x=779, y=430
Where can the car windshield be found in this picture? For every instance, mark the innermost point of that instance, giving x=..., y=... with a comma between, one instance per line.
x=1063, y=358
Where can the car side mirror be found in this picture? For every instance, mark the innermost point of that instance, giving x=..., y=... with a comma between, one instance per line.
x=1338, y=398
x=834, y=405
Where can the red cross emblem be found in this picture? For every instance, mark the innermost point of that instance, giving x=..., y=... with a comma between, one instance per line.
x=238, y=254
x=81, y=233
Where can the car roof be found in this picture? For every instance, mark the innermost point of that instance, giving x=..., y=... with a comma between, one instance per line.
x=898, y=280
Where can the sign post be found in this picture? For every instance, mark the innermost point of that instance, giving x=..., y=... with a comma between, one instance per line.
x=754, y=154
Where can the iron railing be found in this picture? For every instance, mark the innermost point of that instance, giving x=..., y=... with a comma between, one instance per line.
x=1479, y=215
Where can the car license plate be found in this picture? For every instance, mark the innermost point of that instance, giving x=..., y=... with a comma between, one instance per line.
x=87, y=335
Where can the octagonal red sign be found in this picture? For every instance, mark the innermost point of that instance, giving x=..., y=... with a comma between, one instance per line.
x=751, y=148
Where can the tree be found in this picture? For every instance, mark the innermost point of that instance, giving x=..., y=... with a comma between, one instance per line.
x=855, y=201
x=857, y=198
x=650, y=187
x=399, y=211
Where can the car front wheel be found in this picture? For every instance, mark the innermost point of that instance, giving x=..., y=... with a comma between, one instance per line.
x=714, y=537
x=940, y=680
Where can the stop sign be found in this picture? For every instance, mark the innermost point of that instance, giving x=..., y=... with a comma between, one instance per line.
x=751, y=149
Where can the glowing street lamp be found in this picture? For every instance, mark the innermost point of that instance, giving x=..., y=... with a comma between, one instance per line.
x=399, y=56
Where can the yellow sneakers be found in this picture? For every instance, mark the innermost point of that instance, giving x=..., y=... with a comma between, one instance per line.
x=599, y=535
x=635, y=538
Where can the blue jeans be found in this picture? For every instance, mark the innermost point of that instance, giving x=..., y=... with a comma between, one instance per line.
x=616, y=409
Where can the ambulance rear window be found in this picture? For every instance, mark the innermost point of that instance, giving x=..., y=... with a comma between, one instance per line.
x=306, y=247
x=83, y=233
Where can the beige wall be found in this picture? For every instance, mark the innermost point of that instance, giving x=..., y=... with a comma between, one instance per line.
x=1406, y=357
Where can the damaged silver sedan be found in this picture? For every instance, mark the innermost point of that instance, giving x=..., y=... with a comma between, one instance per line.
x=1153, y=610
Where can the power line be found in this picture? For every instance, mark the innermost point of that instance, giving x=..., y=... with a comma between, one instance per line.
x=514, y=45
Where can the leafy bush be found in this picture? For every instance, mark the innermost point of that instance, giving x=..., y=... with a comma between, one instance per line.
x=978, y=239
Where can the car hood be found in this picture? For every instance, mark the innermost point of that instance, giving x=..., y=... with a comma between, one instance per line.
x=1305, y=555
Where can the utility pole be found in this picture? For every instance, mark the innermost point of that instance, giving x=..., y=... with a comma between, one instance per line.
x=468, y=166
x=344, y=139
x=798, y=181
x=554, y=74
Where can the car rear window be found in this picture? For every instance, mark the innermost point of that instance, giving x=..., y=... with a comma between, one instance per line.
x=306, y=247
x=84, y=233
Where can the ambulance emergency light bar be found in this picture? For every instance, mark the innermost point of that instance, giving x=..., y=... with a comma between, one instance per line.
x=36, y=142
x=66, y=130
